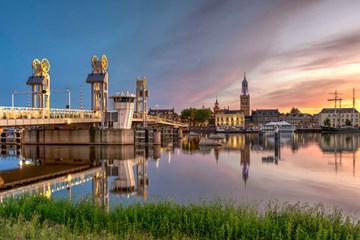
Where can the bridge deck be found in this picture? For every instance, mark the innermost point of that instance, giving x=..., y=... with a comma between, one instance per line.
x=22, y=116
x=14, y=116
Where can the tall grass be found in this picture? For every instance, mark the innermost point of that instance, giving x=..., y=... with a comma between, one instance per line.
x=166, y=219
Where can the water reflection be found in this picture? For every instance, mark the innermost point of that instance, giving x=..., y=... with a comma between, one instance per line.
x=296, y=167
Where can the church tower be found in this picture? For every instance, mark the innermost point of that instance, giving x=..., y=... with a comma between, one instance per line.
x=216, y=107
x=245, y=97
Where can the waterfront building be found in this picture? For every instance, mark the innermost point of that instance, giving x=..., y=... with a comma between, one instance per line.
x=339, y=118
x=245, y=97
x=298, y=119
x=230, y=118
x=164, y=113
x=263, y=116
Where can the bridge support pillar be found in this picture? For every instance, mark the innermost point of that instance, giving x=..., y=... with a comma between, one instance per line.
x=180, y=133
x=157, y=137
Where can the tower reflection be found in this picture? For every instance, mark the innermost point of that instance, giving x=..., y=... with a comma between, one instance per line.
x=245, y=158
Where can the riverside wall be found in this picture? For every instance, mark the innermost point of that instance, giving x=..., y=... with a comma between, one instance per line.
x=78, y=136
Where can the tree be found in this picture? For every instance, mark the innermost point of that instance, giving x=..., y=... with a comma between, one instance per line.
x=327, y=122
x=348, y=122
x=203, y=115
x=188, y=114
x=196, y=115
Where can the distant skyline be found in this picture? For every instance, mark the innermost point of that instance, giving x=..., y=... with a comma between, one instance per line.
x=293, y=52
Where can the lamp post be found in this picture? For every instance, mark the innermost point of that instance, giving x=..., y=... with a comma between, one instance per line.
x=189, y=123
x=68, y=91
x=69, y=100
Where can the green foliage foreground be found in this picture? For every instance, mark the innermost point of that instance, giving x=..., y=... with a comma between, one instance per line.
x=33, y=217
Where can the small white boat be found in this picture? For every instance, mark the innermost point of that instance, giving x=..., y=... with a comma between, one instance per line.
x=281, y=127
x=208, y=142
x=193, y=134
x=215, y=136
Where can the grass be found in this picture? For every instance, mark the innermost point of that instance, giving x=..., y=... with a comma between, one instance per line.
x=36, y=217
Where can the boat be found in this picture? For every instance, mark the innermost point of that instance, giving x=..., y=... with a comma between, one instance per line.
x=221, y=129
x=193, y=134
x=341, y=129
x=215, y=136
x=281, y=127
x=345, y=129
x=208, y=142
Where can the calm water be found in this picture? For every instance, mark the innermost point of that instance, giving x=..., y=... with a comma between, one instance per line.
x=302, y=167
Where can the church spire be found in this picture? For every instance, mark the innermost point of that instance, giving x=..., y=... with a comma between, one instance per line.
x=244, y=88
x=245, y=97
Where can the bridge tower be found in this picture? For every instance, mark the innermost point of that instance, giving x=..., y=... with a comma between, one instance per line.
x=142, y=95
x=99, y=84
x=123, y=104
x=40, y=83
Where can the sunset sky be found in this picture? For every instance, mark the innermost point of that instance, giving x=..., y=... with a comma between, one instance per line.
x=294, y=52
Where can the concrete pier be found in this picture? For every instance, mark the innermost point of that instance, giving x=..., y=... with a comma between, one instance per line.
x=157, y=137
x=180, y=133
x=78, y=136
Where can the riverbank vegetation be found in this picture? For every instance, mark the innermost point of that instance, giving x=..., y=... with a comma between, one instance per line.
x=34, y=217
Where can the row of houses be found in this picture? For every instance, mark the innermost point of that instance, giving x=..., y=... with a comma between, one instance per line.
x=260, y=117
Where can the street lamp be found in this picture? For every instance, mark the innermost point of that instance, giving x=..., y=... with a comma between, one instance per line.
x=68, y=91
x=189, y=123
x=69, y=100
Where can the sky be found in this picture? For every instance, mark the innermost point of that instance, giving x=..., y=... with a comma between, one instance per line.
x=294, y=52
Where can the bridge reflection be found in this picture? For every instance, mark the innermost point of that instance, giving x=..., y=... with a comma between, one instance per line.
x=121, y=170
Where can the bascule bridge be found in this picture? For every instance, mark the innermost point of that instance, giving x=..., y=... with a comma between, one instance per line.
x=99, y=81
x=40, y=83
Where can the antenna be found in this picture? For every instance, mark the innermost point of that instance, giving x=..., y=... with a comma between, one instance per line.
x=81, y=101
x=353, y=110
x=28, y=97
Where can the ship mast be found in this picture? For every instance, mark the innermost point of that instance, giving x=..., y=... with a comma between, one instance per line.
x=335, y=99
x=353, y=110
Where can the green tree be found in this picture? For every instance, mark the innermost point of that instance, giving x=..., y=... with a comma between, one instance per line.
x=327, y=122
x=348, y=122
x=203, y=115
x=196, y=115
x=188, y=115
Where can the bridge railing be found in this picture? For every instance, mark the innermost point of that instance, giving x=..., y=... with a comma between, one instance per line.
x=165, y=120
x=43, y=113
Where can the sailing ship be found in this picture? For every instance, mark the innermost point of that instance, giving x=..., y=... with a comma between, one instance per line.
x=341, y=129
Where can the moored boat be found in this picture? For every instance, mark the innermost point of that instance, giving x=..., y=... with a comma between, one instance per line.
x=346, y=129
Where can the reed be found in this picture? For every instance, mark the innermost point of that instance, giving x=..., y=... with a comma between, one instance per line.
x=36, y=217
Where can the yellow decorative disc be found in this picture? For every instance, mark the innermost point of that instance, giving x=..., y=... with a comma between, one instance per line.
x=45, y=65
x=35, y=64
x=94, y=59
x=104, y=62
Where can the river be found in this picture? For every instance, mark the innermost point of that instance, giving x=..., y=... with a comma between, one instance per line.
x=308, y=167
